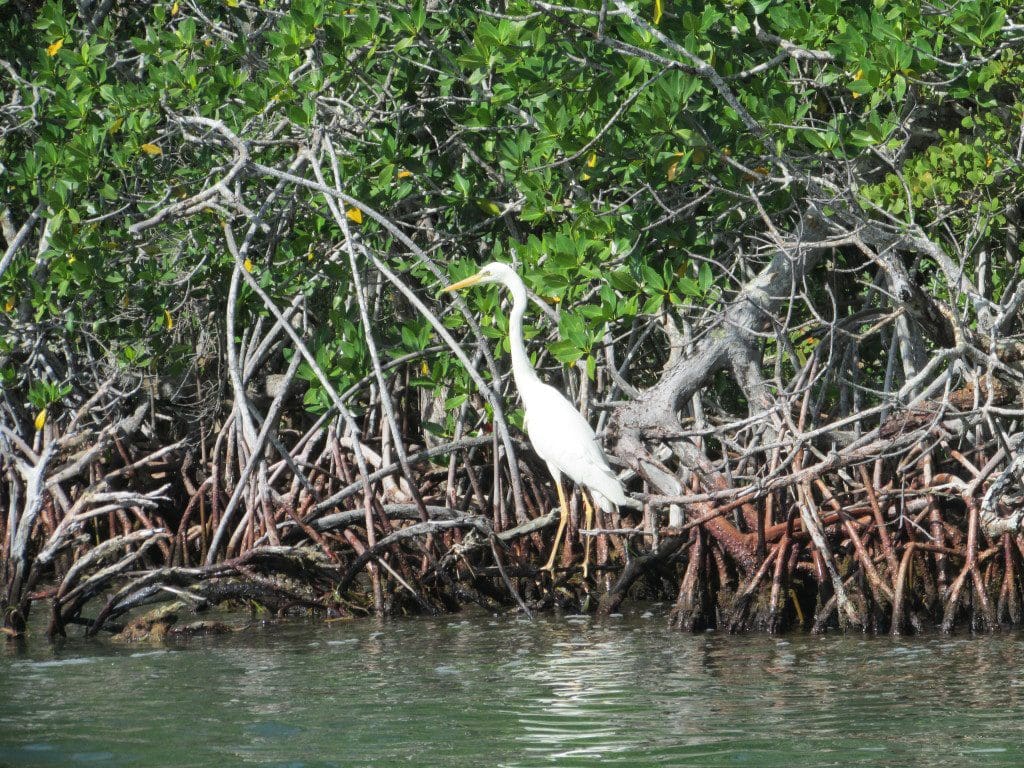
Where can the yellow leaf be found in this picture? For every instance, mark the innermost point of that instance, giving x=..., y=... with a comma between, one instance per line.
x=174, y=9
x=248, y=265
x=40, y=419
x=657, y=11
x=354, y=214
x=51, y=50
x=424, y=368
x=168, y=320
x=232, y=3
x=855, y=95
x=585, y=177
x=858, y=74
x=673, y=169
x=151, y=149
x=404, y=174
x=592, y=160
x=9, y=305
x=116, y=125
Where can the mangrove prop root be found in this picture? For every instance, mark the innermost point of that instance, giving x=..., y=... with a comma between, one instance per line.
x=829, y=546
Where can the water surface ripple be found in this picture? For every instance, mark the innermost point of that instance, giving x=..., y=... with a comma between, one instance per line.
x=506, y=692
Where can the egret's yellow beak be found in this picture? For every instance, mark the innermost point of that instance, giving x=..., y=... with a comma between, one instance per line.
x=471, y=280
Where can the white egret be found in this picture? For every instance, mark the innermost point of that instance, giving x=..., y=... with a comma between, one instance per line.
x=558, y=432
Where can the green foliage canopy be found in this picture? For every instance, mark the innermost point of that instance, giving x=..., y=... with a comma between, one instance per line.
x=591, y=143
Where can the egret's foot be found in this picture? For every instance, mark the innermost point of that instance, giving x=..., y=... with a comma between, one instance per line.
x=563, y=518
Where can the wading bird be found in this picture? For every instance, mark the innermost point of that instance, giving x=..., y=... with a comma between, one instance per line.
x=558, y=432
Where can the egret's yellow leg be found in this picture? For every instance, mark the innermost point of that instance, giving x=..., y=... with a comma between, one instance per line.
x=561, y=526
x=589, y=525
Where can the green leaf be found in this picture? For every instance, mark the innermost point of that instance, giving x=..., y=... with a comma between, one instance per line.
x=462, y=185
x=704, y=277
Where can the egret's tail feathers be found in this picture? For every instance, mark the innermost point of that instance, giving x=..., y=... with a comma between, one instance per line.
x=630, y=503
x=608, y=502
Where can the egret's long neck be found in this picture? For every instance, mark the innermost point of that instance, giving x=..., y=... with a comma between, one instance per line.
x=521, y=368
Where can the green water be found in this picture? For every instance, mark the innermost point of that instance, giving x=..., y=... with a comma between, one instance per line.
x=502, y=691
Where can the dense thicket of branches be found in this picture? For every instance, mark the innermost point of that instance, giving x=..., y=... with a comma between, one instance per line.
x=773, y=248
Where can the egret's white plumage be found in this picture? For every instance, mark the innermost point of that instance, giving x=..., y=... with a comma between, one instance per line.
x=558, y=432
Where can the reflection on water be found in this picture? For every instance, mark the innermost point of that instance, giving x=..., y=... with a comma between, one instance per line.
x=507, y=692
x=583, y=685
